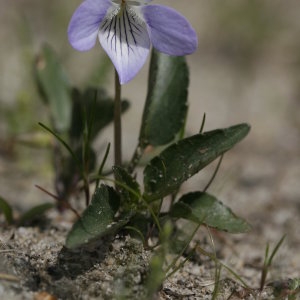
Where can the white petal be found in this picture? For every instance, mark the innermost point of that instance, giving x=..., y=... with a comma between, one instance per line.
x=125, y=39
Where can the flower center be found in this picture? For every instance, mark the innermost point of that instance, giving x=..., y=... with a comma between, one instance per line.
x=123, y=29
x=130, y=2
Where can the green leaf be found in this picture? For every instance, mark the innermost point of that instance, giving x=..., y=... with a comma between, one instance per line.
x=204, y=208
x=54, y=87
x=35, y=213
x=122, y=176
x=99, y=110
x=166, y=104
x=166, y=172
x=97, y=220
x=7, y=210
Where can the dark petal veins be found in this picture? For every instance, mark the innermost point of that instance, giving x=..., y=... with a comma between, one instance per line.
x=119, y=27
x=130, y=26
x=125, y=33
x=124, y=37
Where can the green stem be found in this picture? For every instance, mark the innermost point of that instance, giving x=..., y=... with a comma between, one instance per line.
x=172, y=265
x=138, y=153
x=117, y=122
x=100, y=171
x=203, y=123
x=214, y=174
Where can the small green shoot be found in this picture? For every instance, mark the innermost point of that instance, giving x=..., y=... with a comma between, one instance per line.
x=172, y=269
x=268, y=261
x=218, y=267
x=218, y=262
x=6, y=209
x=218, y=270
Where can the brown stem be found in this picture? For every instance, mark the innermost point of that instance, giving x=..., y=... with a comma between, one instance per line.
x=59, y=201
x=117, y=122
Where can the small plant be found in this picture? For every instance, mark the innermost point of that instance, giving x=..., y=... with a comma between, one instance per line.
x=120, y=202
x=113, y=208
x=268, y=261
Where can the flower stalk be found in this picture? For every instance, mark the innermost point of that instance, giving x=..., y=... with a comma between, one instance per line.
x=117, y=122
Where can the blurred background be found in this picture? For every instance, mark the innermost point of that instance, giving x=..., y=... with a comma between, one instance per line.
x=246, y=69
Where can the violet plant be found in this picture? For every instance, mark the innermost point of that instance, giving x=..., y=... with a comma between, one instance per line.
x=126, y=30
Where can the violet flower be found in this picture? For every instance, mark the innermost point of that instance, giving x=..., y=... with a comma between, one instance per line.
x=127, y=28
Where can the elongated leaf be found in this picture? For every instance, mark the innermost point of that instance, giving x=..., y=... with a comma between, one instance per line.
x=166, y=104
x=34, y=213
x=54, y=87
x=204, y=208
x=166, y=172
x=97, y=220
x=6, y=209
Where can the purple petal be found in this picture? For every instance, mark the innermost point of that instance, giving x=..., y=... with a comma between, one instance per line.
x=126, y=41
x=85, y=22
x=169, y=31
